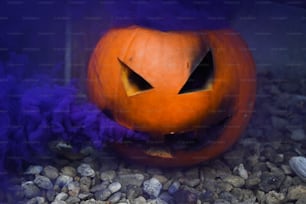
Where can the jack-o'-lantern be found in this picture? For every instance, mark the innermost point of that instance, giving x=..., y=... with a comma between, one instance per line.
x=192, y=92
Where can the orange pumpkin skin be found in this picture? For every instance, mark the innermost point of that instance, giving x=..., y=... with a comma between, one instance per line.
x=166, y=60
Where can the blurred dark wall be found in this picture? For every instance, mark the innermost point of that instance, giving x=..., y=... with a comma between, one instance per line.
x=37, y=28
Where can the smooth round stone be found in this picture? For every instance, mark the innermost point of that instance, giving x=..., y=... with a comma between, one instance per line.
x=152, y=187
x=108, y=175
x=140, y=200
x=296, y=192
x=115, y=197
x=162, y=179
x=174, y=187
x=156, y=201
x=274, y=197
x=85, y=183
x=73, y=199
x=74, y=188
x=103, y=195
x=241, y=171
x=34, y=170
x=270, y=181
x=131, y=179
x=30, y=190
x=43, y=182
x=51, y=172
x=61, y=196
x=63, y=180
x=86, y=170
x=85, y=196
x=58, y=202
x=69, y=171
x=50, y=195
x=114, y=187
x=100, y=187
x=221, y=201
x=166, y=197
x=133, y=192
x=298, y=165
x=192, y=182
x=37, y=200
x=235, y=181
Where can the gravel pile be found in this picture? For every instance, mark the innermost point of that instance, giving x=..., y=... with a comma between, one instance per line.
x=267, y=165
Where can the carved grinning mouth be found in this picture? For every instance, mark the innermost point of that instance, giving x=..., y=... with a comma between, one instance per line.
x=185, y=141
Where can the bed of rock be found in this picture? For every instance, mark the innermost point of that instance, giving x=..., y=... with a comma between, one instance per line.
x=255, y=170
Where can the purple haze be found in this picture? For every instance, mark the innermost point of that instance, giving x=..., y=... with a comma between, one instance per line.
x=35, y=110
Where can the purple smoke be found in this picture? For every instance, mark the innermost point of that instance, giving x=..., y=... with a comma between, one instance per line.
x=34, y=110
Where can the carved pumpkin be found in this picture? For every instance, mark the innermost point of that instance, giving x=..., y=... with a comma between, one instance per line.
x=193, y=92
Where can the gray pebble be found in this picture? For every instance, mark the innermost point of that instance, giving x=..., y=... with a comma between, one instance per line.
x=115, y=197
x=235, y=181
x=301, y=201
x=298, y=165
x=241, y=171
x=156, y=201
x=61, y=196
x=174, y=187
x=86, y=170
x=252, y=181
x=69, y=171
x=166, y=197
x=108, y=175
x=37, y=200
x=73, y=199
x=286, y=169
x=114, y=187
x=162, y=179
x=133, y=192
x=58, y=202
x=273, y=197
x=34, y=170
x=185, y=196
x=85, y=183
x=90, y=201
x=63, y=180
x=192, y=182
x=73, y=188
x=84, y=196
x=103, y=195
x=30, y=190
x=50, y=195
x=100, y=186
x=296, y=192
x=243, y=194
x=221, y=201
x=131, y=179
x=43, y=182
x=228, y=197
x=50, y=172
x=140, y=200
x=152, y=187
x=270, y=181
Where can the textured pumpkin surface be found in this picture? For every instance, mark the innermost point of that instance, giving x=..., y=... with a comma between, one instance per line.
x=161, y=63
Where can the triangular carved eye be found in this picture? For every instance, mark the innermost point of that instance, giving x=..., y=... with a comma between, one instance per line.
x=133, y=82
x=202, y=77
